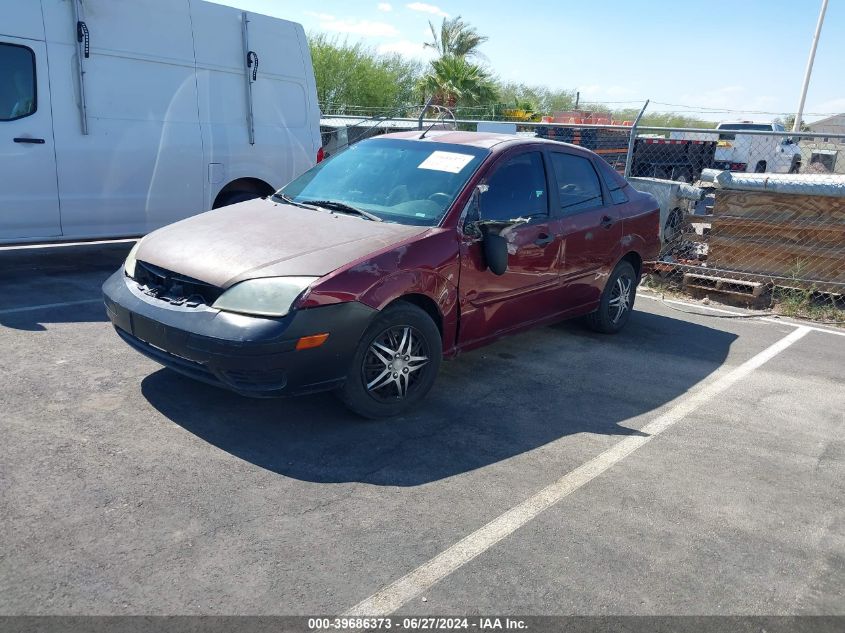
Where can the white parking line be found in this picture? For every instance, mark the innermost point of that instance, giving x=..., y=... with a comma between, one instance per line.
x=46, y=306
x=397, y=594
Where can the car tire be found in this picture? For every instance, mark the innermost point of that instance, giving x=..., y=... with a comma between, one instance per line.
x=374, y=385
x=674, y=226
x=617, y=300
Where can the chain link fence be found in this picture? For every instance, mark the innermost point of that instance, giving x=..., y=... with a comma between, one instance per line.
x=748, y=210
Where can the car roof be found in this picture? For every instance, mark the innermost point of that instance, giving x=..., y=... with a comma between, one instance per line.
x=483, y=140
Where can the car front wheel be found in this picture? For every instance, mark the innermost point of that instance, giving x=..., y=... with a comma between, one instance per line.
x=617, y=300
x=395, y=364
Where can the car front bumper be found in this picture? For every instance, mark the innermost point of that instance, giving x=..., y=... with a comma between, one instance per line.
x=253, y=356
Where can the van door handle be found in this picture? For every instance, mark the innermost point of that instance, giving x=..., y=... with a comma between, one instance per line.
x=31, y=141
x=544, y=239
x=607, y=222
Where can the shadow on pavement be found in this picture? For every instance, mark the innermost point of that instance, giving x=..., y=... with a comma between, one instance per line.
x=59, y=274
x=487, y=406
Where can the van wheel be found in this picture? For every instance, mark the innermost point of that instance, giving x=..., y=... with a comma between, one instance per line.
x=617, y=301
x=395, y=364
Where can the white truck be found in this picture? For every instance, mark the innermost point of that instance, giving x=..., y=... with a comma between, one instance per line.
x=755, y=153
x=120, y=116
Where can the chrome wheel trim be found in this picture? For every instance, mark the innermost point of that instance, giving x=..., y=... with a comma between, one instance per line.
x=392, y=363
x=620, y=298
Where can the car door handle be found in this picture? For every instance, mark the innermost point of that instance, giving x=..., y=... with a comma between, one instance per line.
x=544, y=239
x=607, y=222
x=31, y=141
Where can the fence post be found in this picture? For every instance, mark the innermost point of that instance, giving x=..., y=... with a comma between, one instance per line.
x=630, y=157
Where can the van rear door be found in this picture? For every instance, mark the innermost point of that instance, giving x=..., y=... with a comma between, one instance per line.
x=29, y=198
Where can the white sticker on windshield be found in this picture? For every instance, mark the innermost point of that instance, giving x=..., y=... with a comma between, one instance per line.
x=446, y=161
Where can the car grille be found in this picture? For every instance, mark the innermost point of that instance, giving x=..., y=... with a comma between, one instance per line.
x=174, y=288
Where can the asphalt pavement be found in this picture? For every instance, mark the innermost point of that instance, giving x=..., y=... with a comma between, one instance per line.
x=691, y=465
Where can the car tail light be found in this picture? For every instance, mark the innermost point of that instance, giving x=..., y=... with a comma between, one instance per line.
x=320, y=155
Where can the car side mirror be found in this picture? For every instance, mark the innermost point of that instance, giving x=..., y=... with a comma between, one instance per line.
x=495, y=252
x=494, y=246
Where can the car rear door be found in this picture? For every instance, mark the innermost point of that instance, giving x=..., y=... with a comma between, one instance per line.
x=516, y=187
x=29, y=198
x=590, y=224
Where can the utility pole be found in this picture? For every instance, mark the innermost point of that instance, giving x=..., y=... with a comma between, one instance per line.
x=800, y=114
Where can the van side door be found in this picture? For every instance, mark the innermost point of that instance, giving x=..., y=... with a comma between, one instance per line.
x=140, y=165
x=29, y=198
x=590, y=225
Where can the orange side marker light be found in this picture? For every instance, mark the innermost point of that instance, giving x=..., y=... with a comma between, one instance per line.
x=310, y=342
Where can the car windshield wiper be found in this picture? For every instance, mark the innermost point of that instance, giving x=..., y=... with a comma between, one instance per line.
x=288, y=200
x=342, y=207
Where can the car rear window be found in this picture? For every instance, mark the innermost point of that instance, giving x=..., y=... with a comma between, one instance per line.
x=739, y=127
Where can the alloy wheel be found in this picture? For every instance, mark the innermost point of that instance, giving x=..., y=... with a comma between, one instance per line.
x=395, y=363
x=620, y=298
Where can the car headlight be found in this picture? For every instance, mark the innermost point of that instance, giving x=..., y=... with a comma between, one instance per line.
x=270, y=296
x=131, y=260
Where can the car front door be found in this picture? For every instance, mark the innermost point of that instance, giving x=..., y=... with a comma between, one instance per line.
x=590, y=225
x=29, y=198
x=516, y=187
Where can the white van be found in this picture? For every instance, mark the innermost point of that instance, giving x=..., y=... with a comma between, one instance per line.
x=120, y=116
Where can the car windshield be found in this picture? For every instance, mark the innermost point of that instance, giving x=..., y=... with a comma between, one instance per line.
x=396, y=180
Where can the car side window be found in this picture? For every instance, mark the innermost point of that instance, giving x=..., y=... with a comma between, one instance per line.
x=578, y=183
x=614, y=183
x=17, y=82
x=516, y=189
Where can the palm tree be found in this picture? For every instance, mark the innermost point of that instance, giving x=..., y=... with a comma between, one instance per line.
x=452, y=79
x=456, y=38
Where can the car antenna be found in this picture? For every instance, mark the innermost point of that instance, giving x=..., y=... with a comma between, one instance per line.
x=443, y=112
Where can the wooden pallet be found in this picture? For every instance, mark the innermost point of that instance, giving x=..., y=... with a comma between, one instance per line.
x=782, y=236
x=724, y=285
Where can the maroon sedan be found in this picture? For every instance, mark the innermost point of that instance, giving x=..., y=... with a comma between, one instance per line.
x=367, y=270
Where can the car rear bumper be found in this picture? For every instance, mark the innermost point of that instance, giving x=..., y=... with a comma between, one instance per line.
x=253, y=356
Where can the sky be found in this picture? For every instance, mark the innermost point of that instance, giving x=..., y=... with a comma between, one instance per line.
x=722, y=59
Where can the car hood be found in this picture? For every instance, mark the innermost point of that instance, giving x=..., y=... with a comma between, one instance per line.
x=261, y=238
